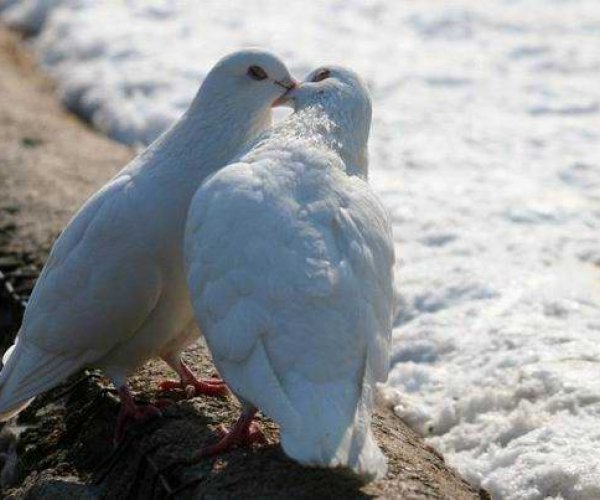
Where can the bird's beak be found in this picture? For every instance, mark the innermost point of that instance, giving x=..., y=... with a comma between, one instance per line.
x=289, y=85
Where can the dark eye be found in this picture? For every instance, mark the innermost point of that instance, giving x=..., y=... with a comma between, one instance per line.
x=322, y=74
x=257, y=73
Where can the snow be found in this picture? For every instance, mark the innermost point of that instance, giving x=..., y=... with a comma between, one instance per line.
x=485, y=149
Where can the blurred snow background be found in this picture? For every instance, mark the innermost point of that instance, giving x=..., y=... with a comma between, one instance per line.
x=486, y=150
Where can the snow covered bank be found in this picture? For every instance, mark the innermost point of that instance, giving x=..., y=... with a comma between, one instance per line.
x=485, y=148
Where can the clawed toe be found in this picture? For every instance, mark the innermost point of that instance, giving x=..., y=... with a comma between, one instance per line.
x=196, y=387
x=192, y=386
x=244, y=432
x=169, y=385
x=209, y=387
x=127, y=418
x=132, y=413
x=255, y=435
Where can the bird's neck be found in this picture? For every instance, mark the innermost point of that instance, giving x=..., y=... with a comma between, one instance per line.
x=209, y=135
x=351, y=143
x=333, y=131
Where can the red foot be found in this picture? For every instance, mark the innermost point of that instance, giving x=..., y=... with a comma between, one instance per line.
x=243, y=433
x=209, y=387
x=131, y=413
x=193, y=386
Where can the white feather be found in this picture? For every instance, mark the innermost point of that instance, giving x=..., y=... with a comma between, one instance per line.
x=112, y=293
x=289, y=263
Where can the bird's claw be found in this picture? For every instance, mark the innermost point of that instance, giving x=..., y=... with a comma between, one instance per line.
x=233, y=438
x=128, y=417
x=191, y=388
x=253, y=434
x=169, y=385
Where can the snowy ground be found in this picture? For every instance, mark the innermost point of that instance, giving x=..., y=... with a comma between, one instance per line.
x=486, y=150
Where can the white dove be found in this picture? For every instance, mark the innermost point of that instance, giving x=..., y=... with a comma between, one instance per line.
x=113, y=292
x=289, y=258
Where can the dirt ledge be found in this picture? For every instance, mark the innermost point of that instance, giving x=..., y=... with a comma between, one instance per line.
x=50, y=162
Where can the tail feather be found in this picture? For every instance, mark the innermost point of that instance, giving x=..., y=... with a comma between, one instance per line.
x=364, y=454
x=28, y=372
x=325, y=424
x=336, y=424
x=336, y=432
x=9, y=352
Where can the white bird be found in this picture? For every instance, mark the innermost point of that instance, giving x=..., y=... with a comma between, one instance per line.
x=113, y=293
x=289, y=258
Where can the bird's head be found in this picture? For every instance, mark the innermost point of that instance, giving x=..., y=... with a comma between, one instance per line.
x=345, y=99
x=233, y=105
x=251, y=78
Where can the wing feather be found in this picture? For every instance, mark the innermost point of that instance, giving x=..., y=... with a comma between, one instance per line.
x=99, y=283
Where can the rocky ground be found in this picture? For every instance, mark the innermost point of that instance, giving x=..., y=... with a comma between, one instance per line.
x=49, y=164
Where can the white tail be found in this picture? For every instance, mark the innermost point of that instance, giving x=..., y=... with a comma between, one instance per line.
x=325, y=424
x=27, y=372
x=335, y=431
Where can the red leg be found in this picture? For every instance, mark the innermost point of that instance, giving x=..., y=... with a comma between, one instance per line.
x=243, y=433
x=131, y=413
x=194, y=386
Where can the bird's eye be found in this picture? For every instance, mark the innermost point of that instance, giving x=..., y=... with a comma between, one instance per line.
x=321, y=75
x=257, y=73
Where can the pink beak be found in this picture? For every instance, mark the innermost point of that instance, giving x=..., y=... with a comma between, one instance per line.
x=282, y=100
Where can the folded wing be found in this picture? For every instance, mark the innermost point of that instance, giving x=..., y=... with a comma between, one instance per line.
x=96, y=289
